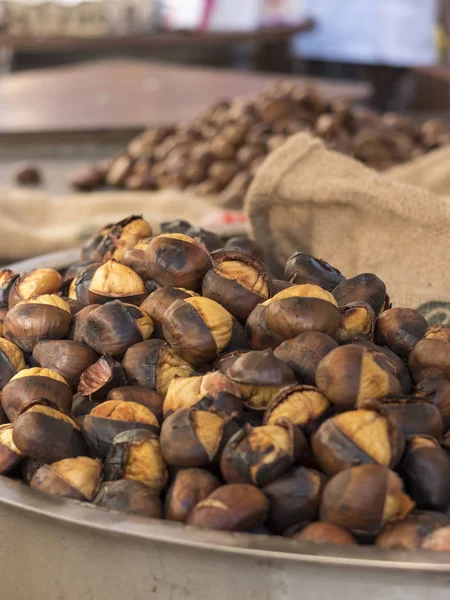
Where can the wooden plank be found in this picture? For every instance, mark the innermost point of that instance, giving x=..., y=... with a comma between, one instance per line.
x=129, y=94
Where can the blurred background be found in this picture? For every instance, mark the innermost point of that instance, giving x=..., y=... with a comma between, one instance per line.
x=80, y=79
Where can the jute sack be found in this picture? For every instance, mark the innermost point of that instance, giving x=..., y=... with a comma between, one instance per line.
x=430, y=171
x=308, y=198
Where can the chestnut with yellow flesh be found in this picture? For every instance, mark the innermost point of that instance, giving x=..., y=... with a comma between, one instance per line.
x=112, y=417
x=364, y=499
x=10, y=455
x=357, y=322
x=197, y=329
x=303, y=405
x=259, y=455
x=438, y=332
x=357, y=437
x=47, y=434
x=36, y=319
x=141, y=395
x=30, y=385
x=175, y=259
x=131, y=235
x=35, y=283
x=11, y=361
x=116, y=281
x=78, y=478
x=79, y=286
x=156, y=304
x=136, y=455
x=129, y=496
x=365, y=287
x=7, y=278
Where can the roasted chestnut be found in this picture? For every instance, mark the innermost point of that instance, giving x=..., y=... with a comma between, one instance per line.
x=134, y=258
x=425, y=470
x=7, y=278
x=28, y=468
x=304, y=352
x=260, y=376
x=324, y=533
x=400, y=329
x=197, y=328
x=303, y=405
x=78, y=286
x=10, y=455
x=115, y=327
x=232, y=507
x=438, y=332
x=364, y=499
x=357, y=322
x=65, y=357
x=141, y=395
x=259, y=337
x=259, y=455
x=414, y=416
x=76, y=332
x=411, y=532
x=112, y=417
x=78, y=478
x=154, y=364
x=11, y=361
x=211, y=391
x=30, y=385
x=136, y=455
x=438, y=540
x=101, y=377
x=365, y=287
x=436, y=389
x=209, y=239
x=174, y=259
x=156, y=304
x=45, y=317
x=189, y=487
x=194, y=438
x=35, y=283
x=350, y=374
x=237, y=281
x=247, y=245
x=129, y=496
x=358, y=437
x=114, y=281
x=304, y=268
x=47, y=434
x=429, y=355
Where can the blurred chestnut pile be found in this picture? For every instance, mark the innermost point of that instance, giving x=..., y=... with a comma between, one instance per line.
x=170, y=377
x=220, y=151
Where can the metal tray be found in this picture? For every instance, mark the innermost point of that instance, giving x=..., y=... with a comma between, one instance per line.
x=57, y=549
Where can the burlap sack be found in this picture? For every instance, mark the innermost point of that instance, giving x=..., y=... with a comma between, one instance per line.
x=34, y=222
x=308, y=198
x=430, y=171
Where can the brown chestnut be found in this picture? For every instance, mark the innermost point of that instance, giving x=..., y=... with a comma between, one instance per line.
x=7, y=278
x=400, y=329
x=436, y=389
x=76, y=332
x=136, y=455
x=363, y=499
x=358, y=437
x=194, y=438
x=10, y=455
x=294, y=498
x=197, y=329
x=154, y=364
x=28, y=468
x=357, y=322
x=304, y=352
x=324, y=533
x=259, y=455
x=114, y=281
x=304, y=268
x=259, y=337
x=11, y=361
x=202, y=392
x=174, y=259
x=35, y=283
x=412, y=531
x=429, y=354
x=232, y=507
x=303, y=405
x=425, y=470
x=30, y=385
x=114, y=327
x=438, y=332
x=112, y=417
x=129, y=496
x=189, y=487
x=30, y=321
x=101, y=377
x=237, y=281
x=47, y=434
x=260, y=376
x=156, y=304
x=134, y=258
x=365, y=287
x=141, y=395
x=79, y=285
x=350, y=374
x=78, y=478
x=414, y=416
x=65, y=357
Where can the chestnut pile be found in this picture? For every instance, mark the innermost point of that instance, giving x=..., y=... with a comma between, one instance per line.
x=171, y=376
x=220, y=151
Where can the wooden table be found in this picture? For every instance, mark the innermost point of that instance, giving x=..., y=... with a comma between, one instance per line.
x=128, y=95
